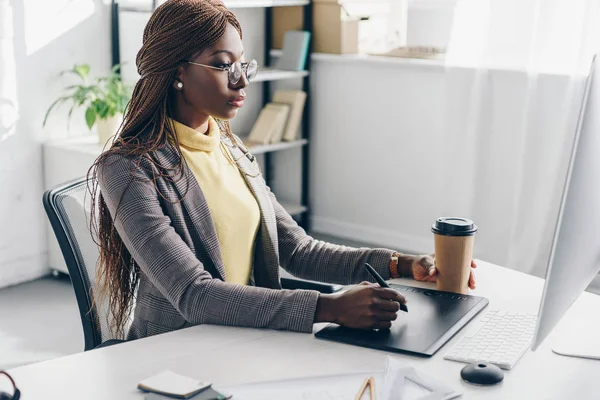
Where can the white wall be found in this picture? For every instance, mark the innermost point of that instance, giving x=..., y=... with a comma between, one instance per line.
x=395, y=145
x=48, y=37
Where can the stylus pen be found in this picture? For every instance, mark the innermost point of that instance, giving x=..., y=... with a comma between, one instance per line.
x=382, y=283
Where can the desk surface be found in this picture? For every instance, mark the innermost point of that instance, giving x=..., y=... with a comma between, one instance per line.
x=227, y=356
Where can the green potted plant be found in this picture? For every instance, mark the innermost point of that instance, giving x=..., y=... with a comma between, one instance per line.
x=104, y=100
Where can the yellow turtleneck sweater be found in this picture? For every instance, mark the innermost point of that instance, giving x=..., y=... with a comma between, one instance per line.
x=233, y=208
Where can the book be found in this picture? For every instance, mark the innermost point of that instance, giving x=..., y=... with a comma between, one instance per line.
x=294, y=51
x=269, y=125
x=169, y=383
x=284, y=110
x=296, y=99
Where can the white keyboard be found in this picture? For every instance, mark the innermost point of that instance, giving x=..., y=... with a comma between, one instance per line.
x=499, y=337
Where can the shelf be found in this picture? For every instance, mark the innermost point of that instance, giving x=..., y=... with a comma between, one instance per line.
x=293, y=209
x=135, y=5
x=264, y=3
x=89, y=144
x=145, y=6
x=368, y=58
x=269, y=74
x=267, y=148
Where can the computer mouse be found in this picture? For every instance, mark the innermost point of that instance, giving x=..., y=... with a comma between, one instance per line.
x=482, y=374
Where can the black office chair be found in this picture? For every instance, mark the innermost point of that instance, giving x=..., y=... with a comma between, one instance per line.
x=68, y=209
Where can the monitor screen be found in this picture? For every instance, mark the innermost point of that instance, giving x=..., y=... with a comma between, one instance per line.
x=575, y=255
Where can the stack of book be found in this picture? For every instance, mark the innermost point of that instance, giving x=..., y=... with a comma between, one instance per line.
x=280, y=119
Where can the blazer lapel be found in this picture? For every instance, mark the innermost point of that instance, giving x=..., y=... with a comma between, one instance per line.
x=195, y=200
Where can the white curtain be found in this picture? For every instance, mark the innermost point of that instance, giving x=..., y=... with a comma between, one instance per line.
x=8, y=89
x=525, y=63
x=8, y=120
x=556, y=36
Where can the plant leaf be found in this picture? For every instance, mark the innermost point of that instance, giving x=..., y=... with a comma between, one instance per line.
x=112, y=110
x=102, y=109
x=82, y=70
x=90, y=116
x=102, y=98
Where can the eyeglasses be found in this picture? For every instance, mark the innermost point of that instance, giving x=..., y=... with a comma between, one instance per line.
x=235, y=70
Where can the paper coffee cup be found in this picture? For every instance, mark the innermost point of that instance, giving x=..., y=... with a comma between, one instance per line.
x=453, y=239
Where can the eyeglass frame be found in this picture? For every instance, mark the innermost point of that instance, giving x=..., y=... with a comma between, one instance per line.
x=244, y=66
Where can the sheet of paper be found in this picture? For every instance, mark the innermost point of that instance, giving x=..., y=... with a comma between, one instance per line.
x=407, y=383
x=396, y=382
x=336, y=387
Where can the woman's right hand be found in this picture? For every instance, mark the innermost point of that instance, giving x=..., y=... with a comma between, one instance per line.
x=365, y=306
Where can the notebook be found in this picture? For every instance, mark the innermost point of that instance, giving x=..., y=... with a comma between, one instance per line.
x=296, y=99
x=169, y=383
x=294, y=51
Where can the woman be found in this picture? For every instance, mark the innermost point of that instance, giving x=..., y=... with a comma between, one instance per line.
x=185, y=215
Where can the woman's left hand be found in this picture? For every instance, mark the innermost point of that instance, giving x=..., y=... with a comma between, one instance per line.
x=423, y=269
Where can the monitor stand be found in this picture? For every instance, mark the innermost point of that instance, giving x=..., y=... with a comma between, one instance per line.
x=579, y=337
x=587, y=347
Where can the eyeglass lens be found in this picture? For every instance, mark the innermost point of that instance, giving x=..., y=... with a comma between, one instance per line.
x=236, y=71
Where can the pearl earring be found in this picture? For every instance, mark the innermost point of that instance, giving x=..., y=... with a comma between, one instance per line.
x=179, y=85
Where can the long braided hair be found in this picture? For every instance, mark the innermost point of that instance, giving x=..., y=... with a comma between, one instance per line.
x=178, y=30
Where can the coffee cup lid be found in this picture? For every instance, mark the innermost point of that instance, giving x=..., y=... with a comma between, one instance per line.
x=454, y=226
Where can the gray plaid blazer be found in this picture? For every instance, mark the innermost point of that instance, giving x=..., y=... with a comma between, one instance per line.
x=175, y=244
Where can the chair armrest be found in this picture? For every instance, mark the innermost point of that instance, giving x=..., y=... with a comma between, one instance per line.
x=291, y=283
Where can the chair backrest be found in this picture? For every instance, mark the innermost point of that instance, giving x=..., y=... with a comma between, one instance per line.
x=68, y=208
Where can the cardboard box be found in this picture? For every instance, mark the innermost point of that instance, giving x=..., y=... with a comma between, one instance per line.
x=286, y=19
x=333, y=31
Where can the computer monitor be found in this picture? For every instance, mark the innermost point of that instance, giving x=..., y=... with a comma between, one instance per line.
x=575, y=254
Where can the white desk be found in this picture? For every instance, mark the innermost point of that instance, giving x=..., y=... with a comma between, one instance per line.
x=226, y=356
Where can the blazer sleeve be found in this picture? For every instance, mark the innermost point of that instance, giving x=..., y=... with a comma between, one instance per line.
x=169, y=263
x=308, y=258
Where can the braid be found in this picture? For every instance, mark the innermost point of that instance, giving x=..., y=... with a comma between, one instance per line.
x=177, y=31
